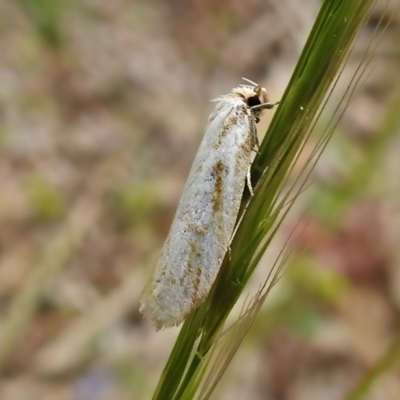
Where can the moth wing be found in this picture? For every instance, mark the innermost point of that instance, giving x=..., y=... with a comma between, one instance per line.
x=205, y=218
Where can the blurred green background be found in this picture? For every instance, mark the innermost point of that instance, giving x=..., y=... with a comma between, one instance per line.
x=102, y=107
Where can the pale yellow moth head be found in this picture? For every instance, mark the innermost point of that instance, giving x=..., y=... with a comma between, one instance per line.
x=255, y=96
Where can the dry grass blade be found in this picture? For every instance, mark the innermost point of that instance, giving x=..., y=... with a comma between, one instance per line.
x=53, y=259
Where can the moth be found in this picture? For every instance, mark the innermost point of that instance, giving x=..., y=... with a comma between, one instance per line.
x=204, y=222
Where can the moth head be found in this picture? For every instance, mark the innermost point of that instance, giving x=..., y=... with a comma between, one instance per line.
x=254, y=95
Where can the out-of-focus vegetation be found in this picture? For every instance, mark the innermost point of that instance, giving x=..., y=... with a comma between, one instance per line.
x=102, y=106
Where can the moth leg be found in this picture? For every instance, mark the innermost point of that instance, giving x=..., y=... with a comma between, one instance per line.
x=249, y=182
x=264, y=106
x=256, y=143
x=253, y=137
x=229, y=253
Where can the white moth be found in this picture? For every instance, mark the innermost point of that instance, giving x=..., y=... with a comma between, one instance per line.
x=205, y=219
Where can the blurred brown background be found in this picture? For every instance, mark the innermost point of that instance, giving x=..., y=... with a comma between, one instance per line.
x=102, y=107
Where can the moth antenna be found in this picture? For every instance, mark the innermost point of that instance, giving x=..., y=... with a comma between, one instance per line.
x=250, y=81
